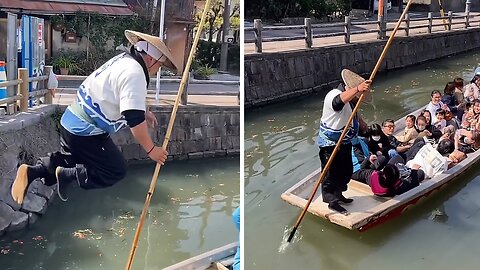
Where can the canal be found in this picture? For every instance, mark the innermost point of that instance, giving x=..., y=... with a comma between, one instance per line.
x=190, y=213
x=441, y=233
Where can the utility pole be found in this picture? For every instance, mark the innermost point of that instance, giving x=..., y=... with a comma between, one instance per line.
x=225, y=28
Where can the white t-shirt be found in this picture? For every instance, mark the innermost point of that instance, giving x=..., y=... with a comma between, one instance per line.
x=333, y=122
x=430, y=161
x=117, y=86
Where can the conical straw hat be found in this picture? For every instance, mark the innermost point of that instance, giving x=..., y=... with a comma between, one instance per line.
x=135, y=37
x=352, y=80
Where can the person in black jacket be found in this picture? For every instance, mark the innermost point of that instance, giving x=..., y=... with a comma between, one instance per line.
x=377, y=141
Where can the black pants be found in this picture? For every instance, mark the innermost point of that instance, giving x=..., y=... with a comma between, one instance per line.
x=97, y=160
x=339, y=173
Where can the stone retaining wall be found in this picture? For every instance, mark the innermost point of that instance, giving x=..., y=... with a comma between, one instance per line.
x=273, y=77
x=199, y=132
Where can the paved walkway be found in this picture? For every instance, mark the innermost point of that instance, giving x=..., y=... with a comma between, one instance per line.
x=167, y=100
x=295, y=45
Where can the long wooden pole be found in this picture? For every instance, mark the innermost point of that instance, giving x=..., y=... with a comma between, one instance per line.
x=153, y=183
x=339, y=142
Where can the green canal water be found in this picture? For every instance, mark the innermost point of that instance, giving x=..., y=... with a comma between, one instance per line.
x=190, y=213
x=441, y=233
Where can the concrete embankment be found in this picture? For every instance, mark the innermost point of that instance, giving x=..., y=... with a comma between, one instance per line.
x=278, y=76
x=199, y=131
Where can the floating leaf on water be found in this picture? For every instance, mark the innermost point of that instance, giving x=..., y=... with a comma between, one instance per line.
x=38, y=238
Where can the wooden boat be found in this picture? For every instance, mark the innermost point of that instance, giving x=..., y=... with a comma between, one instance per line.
x=217, y=259
x=369, y=210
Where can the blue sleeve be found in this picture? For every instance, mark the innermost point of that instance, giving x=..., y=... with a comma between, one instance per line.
x=236, y=221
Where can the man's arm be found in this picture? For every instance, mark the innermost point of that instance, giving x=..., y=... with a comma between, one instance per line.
x=138, y=126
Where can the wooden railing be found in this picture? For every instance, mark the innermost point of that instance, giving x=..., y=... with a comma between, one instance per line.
x=381, y=29
x=19, y=101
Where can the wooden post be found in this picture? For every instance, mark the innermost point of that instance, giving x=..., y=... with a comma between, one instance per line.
x=382, y=29
x=308, y=33
x=48, y=95
x=257, y=23
x=450, y=14
x=467, y=19
x=407, y=24
x=348, y=26
x=23, y=88
x=430, y=21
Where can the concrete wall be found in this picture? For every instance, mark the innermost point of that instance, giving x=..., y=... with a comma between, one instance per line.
x=272, y=77
x=198, y=132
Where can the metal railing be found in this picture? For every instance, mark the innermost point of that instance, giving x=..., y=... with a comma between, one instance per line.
x=19, y=101
x=381, y=28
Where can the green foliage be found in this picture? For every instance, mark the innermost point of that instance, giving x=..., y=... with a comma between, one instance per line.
x=56, y=118
x=214, y=19
x=208, y=54
x=99, y=29
x=279, y=9
x=66, y=61
x=57, y=19
x=205, y=71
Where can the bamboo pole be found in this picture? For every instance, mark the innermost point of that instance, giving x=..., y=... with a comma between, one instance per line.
x=153, y=183
x=337, y=146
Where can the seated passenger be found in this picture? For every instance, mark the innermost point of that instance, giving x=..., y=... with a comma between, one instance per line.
x=377, y=141
x=410, y=133
x=361, y=157
x=467, y=141
x=395, y=145
x=471, y=90
x=435, y=104
x=390, y=182
x=441, y=123
x=436, y=134
x=433, y=161
x=468, y=116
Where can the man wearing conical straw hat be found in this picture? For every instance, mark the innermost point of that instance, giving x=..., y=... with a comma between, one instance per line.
x=337, y=108
x=112, y=97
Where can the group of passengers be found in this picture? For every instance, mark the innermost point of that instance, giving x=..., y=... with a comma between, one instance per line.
x=441, y=136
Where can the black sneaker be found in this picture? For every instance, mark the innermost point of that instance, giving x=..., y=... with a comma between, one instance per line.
x=25, y=175
x=342, y=198
x=335, y=206
x=64, y=177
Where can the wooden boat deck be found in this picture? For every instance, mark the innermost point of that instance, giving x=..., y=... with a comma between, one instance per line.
x=369, y=210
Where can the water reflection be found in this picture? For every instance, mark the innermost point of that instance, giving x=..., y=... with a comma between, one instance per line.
x=280, y=150
x=190, y=213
